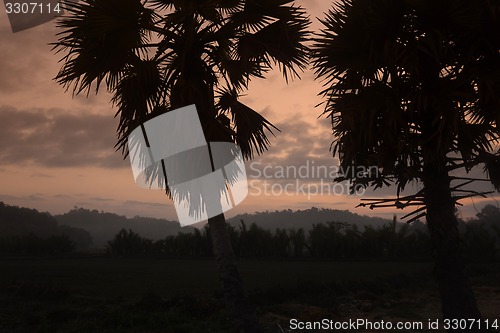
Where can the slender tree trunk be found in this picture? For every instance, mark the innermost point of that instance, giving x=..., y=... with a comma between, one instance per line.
x=241, y=311
x=457, y=296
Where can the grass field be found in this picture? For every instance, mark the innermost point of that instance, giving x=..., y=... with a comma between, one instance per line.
x=110, y=277
x=100, y=294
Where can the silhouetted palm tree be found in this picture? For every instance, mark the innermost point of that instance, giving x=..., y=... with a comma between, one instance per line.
x=159, y=55
x=412, y=87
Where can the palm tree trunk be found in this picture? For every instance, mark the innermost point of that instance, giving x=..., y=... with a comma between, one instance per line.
x=241, y=311
x=457, y=296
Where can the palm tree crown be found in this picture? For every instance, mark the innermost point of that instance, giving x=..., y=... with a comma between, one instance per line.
x=412, y=83
x=157, y=55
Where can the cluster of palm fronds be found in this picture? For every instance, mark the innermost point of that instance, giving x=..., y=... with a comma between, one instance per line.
x=412, y=83
x=157, y=55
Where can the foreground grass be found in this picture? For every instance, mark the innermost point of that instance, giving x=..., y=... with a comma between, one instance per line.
x=131, y=278
x=165, y=295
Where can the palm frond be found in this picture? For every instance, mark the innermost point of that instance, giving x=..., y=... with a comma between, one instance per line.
x=492, y=167
x=229, y=6
x=193, y=54
x=137, y=95
x=240, y=72
x=280, y=40
x=250, y=126
x=101, y=38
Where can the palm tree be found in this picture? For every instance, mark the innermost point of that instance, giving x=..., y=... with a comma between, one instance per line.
x=411, y=87
x=159, y=55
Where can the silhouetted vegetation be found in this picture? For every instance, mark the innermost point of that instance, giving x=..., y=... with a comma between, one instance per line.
x=128, y=243
x=409, y=90
x=481, y=236
x=102, y=226
x=332, y=240
x=27, y=231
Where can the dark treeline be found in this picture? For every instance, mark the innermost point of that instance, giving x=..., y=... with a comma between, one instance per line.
x=28, y=231
x=332, y=240
x=103, y=226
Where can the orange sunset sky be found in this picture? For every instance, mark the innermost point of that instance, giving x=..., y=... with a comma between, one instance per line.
x=56, y=151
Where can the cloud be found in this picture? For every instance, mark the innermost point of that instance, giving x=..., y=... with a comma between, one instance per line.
x=55, y=138
x=300, y=143
x=26, y=198
x=25, y=57
x=41, y=175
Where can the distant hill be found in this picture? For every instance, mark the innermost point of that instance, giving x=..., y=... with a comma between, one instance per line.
x=305, y=219
x=84, y=226
x=18, y=221
x=104, y=226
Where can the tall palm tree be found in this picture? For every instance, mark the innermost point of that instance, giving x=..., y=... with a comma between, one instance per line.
x=159, y=55
x=412, y=87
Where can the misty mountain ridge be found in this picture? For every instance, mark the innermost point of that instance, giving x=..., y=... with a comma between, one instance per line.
x=21, y=222
x=103, y=226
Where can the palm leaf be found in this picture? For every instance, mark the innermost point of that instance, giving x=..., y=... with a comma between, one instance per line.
x=492, y=166
x=137, y=95
x=280, y=40
x=250, y=126
x=239, y=72
x=101, y=38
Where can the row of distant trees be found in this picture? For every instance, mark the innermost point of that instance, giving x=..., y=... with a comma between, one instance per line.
x=333, y=240
x=28, y=231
